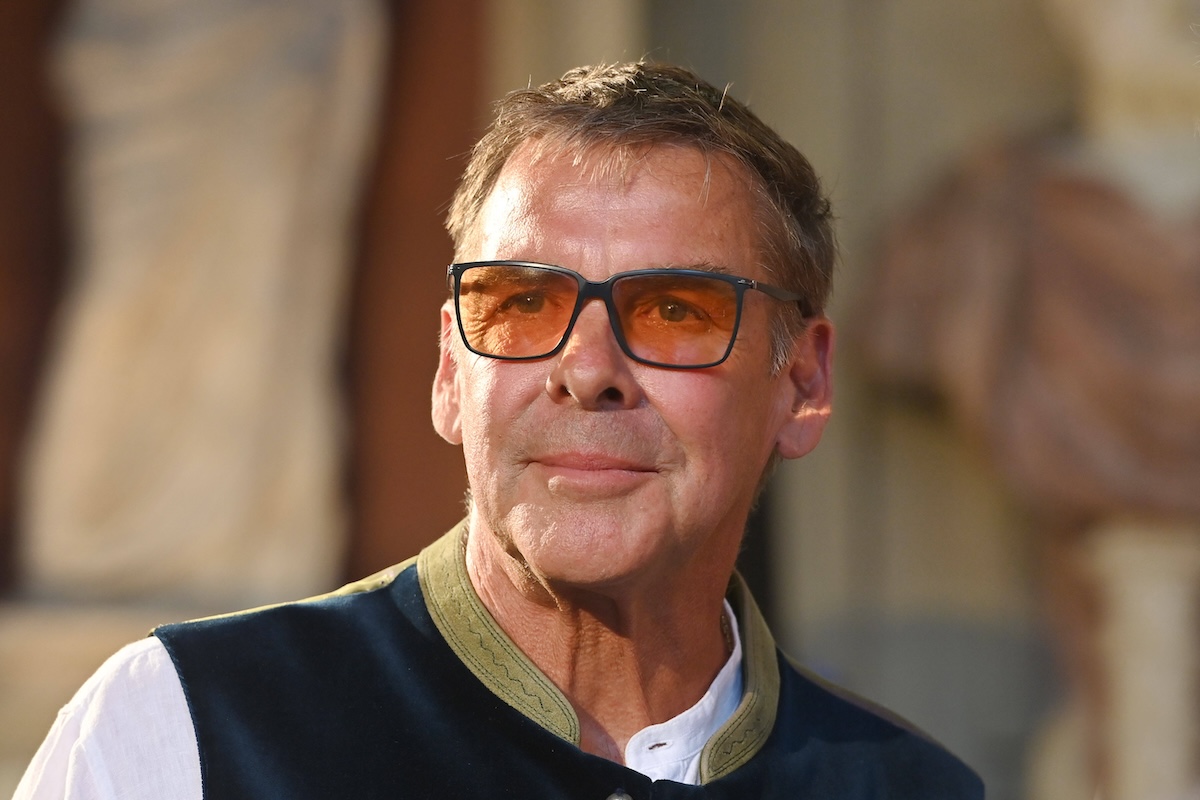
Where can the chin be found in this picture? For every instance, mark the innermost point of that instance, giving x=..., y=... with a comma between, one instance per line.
x=586, y=549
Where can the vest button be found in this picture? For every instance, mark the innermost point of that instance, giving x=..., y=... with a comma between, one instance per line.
x=619, y=795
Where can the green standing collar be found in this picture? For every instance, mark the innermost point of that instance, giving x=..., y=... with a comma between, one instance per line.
x=495, y=660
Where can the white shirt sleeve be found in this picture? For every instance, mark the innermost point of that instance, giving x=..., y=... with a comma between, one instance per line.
x=127, y=733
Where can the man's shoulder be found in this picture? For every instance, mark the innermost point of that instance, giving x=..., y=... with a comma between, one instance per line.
x=125, y=676
x=383, y=591
x=129, y=719
x=386, y=609
x=844, y=726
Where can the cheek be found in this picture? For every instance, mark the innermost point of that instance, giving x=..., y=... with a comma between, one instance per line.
x=711, y=418
x=728, y=424
x=494, y=396
x=475, y=410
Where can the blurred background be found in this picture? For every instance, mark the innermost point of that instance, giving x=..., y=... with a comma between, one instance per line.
x=221, y=262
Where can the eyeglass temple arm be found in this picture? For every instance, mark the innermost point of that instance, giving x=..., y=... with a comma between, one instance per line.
x=784, y=295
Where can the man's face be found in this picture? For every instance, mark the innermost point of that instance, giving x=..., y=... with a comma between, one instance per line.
x=591, y=470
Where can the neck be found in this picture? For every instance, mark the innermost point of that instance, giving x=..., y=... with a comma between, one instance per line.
x=624, y=659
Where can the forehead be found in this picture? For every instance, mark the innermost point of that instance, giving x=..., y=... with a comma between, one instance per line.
x=661, y=205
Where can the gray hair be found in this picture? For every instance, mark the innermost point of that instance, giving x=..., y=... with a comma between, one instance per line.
x=626, y=108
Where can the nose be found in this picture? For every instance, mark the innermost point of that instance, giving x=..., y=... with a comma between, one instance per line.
x=591, y=369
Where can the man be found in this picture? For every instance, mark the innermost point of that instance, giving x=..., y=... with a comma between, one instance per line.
x=634, y=335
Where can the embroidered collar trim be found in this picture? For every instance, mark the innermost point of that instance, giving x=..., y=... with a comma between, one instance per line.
x=499, y=664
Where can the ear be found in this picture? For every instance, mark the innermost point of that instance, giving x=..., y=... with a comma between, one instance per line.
x=809, y=380
x=446, y=416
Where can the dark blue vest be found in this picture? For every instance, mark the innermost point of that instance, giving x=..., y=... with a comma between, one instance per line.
x=358, y=694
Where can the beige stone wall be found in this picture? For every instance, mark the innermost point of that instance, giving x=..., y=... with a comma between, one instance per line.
x=187, y=442
x=186, y=455
x=1150, y=574
x=534, y=41
x=907, y=89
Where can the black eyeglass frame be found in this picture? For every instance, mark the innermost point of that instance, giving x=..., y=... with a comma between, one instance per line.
x=603, y=290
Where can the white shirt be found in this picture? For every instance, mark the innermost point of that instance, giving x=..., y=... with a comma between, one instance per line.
x=671, y=750
x=127, y=733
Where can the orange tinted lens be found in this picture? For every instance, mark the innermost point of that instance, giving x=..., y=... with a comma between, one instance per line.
x=676, y=319
x=513, y=311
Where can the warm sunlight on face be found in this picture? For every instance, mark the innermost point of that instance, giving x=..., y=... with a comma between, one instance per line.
x=590, y=468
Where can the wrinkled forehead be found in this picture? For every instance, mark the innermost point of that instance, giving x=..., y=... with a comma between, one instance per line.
x=618, y=166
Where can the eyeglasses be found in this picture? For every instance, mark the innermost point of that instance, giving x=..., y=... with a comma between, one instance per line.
x=520, y=310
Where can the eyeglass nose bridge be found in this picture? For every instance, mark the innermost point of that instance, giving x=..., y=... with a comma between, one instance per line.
x=602, y=291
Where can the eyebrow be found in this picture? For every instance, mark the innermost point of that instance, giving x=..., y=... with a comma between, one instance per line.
x=701, y=266
x=491, y=280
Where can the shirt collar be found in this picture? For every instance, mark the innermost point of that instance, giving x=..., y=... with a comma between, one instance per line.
x=671, y=749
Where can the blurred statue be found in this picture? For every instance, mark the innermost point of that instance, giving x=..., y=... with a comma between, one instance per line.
x=1050, y=293
x=188, y=444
